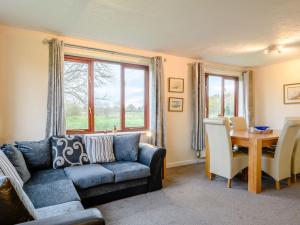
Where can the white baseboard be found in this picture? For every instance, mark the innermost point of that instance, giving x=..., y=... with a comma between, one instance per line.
x=184, y=163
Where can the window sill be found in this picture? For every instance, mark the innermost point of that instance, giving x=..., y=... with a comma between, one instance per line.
x=107, y=133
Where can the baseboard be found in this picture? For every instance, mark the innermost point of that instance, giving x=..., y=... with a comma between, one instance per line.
x=184, y=163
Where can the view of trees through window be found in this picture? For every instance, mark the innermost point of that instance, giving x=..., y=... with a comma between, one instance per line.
x=96, y=91
x=221, y=96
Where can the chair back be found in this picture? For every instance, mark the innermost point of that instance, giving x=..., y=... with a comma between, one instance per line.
x=220, y=146
x=296, y=152
x=239, y=124
x=285, y=148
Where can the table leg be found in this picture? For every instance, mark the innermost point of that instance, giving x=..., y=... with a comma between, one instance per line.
x=254, y=171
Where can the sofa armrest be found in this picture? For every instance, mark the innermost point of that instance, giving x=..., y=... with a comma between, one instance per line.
x=153, y=157
x=85, y=217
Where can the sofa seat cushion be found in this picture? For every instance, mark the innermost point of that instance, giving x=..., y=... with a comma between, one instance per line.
x=124, y=170
x=89, y=175
x=53, y=193
x=47, y=176
x=57, y=210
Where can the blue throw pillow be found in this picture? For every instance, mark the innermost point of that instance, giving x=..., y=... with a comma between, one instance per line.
x=37, y=154
x=16, y=158
x=68, y=151
x=126, y=147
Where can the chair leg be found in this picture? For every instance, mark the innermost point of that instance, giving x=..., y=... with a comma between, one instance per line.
x=277, y=185
x=229, y=183
x=289, y=181
x=245, y=174
x=211, y=176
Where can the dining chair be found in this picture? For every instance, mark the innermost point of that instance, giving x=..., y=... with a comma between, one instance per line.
x=277, y=164
x=223, y=161
x=296, y=154
x=239, y=124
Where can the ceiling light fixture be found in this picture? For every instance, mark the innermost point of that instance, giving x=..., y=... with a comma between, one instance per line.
x=273, y=50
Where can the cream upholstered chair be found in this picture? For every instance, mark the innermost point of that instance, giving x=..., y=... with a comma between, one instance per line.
x=278, y=164
x=239, y=124
x=296, y=153
x=296, y=159
x=223, y=161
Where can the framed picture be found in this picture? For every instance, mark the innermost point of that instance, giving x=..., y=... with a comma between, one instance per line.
x=175, y=104
x=291, y=93
x=176, y=85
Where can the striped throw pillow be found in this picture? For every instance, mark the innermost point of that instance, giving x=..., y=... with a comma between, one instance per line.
x=9, y=170
x=100, y=148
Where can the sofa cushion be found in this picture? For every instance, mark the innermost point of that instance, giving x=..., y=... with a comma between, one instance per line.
x=16, y=158
x=126, y=147
x=68, y=151
x=61, y=209
x=53, y=193
x=128, y=170
x=37, y=154
x=89, y=175
x=46, y=176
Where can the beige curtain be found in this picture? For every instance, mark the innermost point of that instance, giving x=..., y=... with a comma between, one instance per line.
x=248, y=102
x=55, y=107
x=158, y=117
x=198, y=107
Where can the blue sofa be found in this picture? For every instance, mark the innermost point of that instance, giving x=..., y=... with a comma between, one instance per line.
x=98, y=183
x=54, y=192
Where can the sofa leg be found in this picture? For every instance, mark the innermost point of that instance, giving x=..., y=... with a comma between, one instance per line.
x=289, y=181
x=277, y=185
x=229, y=183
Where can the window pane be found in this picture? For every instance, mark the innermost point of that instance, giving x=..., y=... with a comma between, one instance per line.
x=134, y=97
x=107, y=95
x=214, y=96
x=229, y=97
x=76, y=94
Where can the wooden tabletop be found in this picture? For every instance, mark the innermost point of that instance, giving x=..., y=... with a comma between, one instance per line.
x=248, y=135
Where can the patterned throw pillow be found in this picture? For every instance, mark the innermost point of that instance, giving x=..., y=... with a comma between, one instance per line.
x=9, y=170
x=100, y=148
x=68, y=151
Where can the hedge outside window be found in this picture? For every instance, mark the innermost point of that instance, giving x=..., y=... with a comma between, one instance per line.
x=101, y=95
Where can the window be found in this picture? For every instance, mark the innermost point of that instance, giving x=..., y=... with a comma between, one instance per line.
x=221, y=96
x=101, y=95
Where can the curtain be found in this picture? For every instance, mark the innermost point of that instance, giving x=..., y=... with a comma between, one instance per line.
x=248, y=103
x=198, y=106
x=158, y=117
x=55, y=106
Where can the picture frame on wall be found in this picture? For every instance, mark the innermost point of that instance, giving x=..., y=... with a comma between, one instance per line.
x=291, y=93
x=175, y=104
x=176, y=85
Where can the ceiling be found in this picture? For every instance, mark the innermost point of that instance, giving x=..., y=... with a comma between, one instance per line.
x=224, y=31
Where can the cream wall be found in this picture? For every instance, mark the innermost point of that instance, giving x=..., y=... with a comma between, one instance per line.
x=268, y=88
x=23, y=88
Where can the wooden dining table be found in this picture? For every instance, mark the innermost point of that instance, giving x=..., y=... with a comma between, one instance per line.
x=254, y=142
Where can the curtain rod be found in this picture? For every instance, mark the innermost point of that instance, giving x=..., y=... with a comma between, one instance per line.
x=104, y=50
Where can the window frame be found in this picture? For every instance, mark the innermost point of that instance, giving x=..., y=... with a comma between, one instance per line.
x=236, y=93
x=91, y=106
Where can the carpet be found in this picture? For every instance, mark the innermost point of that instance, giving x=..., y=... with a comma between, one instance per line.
x=189, y=198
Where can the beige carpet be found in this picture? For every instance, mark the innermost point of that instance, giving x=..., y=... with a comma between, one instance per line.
x=189, y=198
